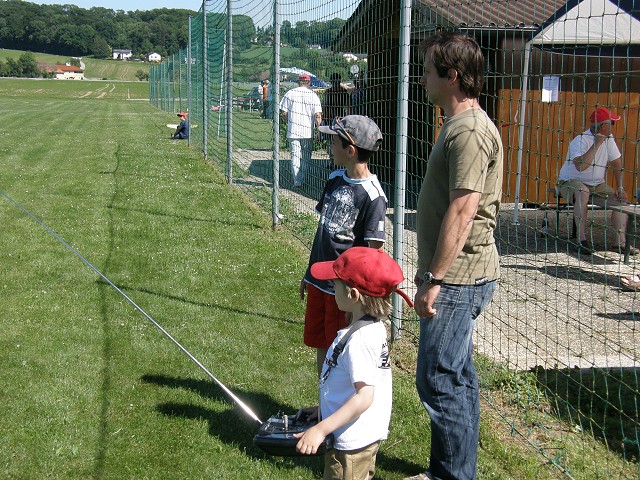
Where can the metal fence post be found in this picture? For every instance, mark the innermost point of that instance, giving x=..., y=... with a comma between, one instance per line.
x=275, y=201
x=205, y=80
x=188, y=61
x=401, y=154
x=229, y=52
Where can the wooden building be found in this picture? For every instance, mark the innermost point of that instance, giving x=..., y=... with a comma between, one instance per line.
x=587, y=78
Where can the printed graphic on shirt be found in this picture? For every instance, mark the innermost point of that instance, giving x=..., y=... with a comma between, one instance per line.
x=385, y=358
x=340, y=213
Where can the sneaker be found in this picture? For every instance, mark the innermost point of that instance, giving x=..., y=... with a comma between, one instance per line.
x=585, y=248
x=420, y=476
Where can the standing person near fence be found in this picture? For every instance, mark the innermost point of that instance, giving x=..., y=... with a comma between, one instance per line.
x=302, y=110
x=457, y=265
x=583, y=175
x=266, y=91
x=352, y=212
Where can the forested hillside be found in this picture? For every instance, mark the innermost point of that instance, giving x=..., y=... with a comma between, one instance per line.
x=73, y=31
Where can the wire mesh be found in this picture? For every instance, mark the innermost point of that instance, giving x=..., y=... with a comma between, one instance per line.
x=557, y=349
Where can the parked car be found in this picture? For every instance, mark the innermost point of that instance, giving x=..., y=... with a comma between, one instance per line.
x=318, y=85
x=252, y=100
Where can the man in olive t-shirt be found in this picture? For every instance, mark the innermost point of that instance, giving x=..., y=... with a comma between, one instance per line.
x=457, y=257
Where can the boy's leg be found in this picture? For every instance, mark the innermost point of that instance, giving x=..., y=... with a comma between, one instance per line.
x=352, y=464
x=322, y=320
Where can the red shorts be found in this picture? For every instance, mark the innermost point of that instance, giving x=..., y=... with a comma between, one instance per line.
x=322, y=320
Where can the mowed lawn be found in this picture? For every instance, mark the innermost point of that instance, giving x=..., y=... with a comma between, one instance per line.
x=89, y=387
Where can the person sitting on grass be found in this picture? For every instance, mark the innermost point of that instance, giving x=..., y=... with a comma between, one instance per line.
x=355, y=385
x=182, y=130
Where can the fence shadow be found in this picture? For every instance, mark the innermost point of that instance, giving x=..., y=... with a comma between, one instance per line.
x=574, y=391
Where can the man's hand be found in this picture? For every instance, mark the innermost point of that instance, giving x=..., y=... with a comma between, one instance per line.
x=622, y=195
x=425, y=298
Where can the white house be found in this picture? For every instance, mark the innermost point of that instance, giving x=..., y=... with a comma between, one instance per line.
x=154, y=57
x=121, y=53
x=69, y=72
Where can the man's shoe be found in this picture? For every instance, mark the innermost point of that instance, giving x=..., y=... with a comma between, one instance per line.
x=420, y=476
x=585, y=248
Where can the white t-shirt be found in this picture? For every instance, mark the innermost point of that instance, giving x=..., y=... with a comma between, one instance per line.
x=365, y=358
x=595, y=173
x=301, y=105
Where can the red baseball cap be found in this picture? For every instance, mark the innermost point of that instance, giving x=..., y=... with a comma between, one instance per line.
x=601, y=114
x=304, y=76
x=371, y=271
x=182, y=114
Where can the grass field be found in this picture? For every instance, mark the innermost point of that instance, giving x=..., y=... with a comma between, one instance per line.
x=95, y=68
x=90, y=388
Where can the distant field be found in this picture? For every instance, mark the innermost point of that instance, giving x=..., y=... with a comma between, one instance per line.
x=68, y=89
x=95, y=69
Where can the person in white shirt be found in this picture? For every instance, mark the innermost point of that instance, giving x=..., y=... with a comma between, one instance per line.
x=302, y=110
x=583, y=175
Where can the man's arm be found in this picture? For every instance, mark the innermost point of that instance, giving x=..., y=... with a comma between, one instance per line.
x=318, y=117
x=585, y=160
x=618, y=170
x=454, y=231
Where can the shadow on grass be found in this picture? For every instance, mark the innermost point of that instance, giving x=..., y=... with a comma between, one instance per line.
x=240, y=429
x=233, y=428
x=603, y=402
x=242, y=223
x=201, y=304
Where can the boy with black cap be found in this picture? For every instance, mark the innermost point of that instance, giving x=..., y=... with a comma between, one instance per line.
x=352, y=212
x=355, y=386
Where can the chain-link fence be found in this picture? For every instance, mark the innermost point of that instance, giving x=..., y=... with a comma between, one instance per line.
x=558, y=344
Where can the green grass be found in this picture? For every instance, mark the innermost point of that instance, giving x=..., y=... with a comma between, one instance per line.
x=95, y=68
x=90, y=388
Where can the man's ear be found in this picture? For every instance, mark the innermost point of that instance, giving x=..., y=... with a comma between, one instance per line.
x=452, y=74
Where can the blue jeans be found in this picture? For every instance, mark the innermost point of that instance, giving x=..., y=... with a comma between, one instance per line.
x=447, y=382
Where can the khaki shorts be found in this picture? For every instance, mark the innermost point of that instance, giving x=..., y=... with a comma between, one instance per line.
x=360, y=464
x=601, y=193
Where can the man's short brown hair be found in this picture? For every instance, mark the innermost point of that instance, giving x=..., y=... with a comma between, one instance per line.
x=452, y=50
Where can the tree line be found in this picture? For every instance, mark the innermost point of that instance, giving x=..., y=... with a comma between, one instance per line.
x=73, y=31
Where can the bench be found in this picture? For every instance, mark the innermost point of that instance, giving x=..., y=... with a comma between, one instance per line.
x=559, y=206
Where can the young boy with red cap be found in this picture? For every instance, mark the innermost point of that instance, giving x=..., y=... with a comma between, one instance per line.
x=182, y=130
x=355, y=385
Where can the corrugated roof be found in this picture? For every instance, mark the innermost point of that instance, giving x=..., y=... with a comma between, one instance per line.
x=429, y=14
x=485, y=13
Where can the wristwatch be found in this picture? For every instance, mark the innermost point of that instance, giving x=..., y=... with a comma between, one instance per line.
x=429, y=278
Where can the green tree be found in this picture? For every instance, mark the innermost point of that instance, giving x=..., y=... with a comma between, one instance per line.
x=28, y=66
x=142, y=75
x=13, y=69
x=101, y=48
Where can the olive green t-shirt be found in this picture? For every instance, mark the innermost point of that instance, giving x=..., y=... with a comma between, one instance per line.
x=467, y=155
